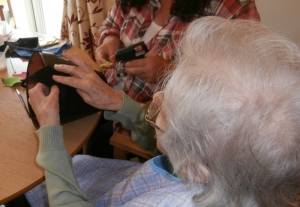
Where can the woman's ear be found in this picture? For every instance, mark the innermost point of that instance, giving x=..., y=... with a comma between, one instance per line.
x=199, y=172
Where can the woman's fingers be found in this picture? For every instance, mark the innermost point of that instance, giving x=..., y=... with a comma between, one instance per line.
x=82, y=81
x=79, y=61
x=54, y=92
x=70, y=81
x=38, y=91
x=72, y=70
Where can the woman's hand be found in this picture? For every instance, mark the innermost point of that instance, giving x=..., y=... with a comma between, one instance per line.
x=149, y=69
x=45, y=104
x=88, y=84
x=108, y=48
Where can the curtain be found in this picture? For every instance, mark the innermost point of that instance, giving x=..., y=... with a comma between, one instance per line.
x=81, y=20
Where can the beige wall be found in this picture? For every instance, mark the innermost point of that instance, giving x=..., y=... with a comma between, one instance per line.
x=283, y=16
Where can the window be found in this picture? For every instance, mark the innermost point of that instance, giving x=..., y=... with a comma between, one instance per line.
x=43, y=16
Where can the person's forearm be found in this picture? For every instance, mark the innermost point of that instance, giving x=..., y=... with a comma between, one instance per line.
x=62, y=186
x=132, y=116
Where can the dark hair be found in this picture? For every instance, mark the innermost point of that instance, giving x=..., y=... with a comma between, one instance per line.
x=138, y=4
x=184, y=9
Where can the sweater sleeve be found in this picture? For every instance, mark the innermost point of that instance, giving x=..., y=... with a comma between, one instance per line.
x=132, y=116
x=62, y=186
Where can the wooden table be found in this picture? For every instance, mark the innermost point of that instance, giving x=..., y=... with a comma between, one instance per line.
x=19, y=143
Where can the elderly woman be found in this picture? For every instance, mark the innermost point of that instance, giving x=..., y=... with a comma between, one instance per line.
x=227, y=122
x=158, y=23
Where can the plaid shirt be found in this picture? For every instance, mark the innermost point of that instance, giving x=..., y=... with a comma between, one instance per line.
x=132, y=25
x=234, y=9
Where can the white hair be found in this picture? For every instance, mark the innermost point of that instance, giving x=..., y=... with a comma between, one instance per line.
x=232, y=109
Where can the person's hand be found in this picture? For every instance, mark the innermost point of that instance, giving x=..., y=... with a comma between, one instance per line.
x=45, y=104
x=108, y=48
x=88, y=84
x=149, y=69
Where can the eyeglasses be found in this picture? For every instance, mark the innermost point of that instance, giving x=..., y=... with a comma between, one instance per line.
x=154, y=110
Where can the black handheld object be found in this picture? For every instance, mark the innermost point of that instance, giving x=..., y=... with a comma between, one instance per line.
x=132, y=52
x=71, y=105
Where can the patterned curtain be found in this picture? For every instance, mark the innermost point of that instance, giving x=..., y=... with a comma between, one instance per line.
x=81, y=20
